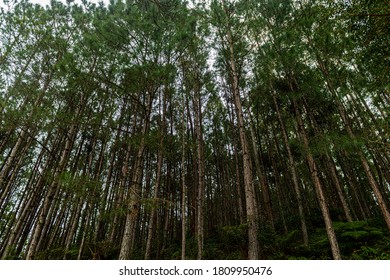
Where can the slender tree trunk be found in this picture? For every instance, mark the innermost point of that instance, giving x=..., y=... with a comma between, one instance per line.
x=263, y=182
x=201, y=171
x=152, y=218
x=332, y=169
x=52, y=191
x=123, y=180
x=337, y=184
x=183, y=186
x=353, y=184
x=376, y=190
x=318, y=187
x=293, y=171
x=250, y=197
x=382, y=204
x=241, y=213
x=74, y=223
x=135, y=191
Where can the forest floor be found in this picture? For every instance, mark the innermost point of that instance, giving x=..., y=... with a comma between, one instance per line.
x=359, y=240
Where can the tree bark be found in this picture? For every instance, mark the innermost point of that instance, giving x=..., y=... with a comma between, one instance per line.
x=263, y=182
x=200, y=168
x=135, y=190
x=152, y=218
x=53, y=189
x=250, y=197
x=183, y=185
x=318, y=187
x=293, y=171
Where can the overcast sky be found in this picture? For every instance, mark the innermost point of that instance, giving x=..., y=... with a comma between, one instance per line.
x=47, y=2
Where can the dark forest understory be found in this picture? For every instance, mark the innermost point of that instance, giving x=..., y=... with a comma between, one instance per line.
x=247, y=129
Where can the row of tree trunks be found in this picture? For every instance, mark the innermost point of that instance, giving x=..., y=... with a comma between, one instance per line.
x=53, y=190
x=133, y=205
x=124, y=138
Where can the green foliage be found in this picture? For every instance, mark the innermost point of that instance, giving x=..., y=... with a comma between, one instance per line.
x=53, y=254
x=102, y=250
x=227, y=243
x=80, y=185
x=355, y=235
x=173, y=251
x=105, y=71
x=234, y=235
x=372, y=253
x=357, y=240
x=291, y=237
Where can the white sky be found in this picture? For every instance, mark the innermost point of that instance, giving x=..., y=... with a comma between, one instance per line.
x=47, y=2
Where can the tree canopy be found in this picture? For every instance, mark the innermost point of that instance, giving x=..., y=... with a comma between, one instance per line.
x=172, y=129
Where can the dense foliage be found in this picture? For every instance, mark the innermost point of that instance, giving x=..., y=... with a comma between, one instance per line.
x=213, y=130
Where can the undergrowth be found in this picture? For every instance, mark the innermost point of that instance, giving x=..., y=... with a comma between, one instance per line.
x=359, y=240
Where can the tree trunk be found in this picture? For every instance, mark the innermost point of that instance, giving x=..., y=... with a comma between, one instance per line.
x=291, y=165
x=152, y=218
x=135, y=190
x=263, y=182
x=201, y=170
x=250, y=197
x=183, y=186
x=53, y=190
x=376, y=190
x=318, y=187
x=239, y=199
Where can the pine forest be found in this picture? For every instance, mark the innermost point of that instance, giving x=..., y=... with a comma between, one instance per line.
x=173, y=129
